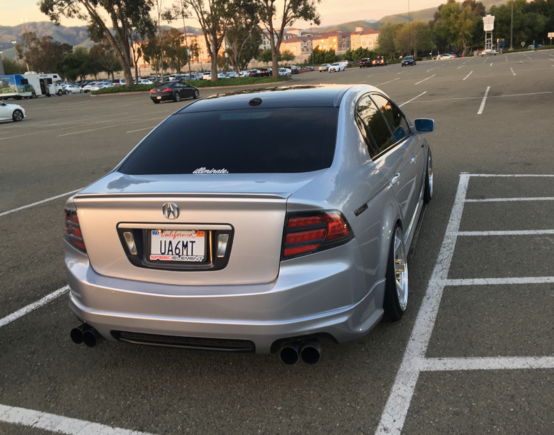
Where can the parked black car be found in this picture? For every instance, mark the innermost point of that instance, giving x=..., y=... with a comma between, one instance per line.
x=365, y=63
x=408, y=60
x=176, y=91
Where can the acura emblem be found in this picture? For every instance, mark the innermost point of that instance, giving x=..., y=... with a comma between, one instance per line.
x=170, y=210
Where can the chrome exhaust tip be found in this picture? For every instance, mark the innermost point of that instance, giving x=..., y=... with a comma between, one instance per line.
x=289, y=353
x=311, y=352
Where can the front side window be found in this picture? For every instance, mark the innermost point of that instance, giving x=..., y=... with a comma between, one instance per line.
x=247, y=141
x=394, y=117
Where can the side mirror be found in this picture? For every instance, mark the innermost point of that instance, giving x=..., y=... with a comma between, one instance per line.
x=424, y=125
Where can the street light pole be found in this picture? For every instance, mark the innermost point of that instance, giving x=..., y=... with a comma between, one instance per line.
x=512, y=28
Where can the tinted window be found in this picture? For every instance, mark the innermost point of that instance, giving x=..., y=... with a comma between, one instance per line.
x=394, y=117
x=377, y=127
x=239, y=141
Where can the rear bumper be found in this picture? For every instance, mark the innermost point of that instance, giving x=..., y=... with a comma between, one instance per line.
x=163, y=97
x=323, y=295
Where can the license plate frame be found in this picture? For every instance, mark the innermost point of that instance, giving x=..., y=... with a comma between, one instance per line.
x=186, y=247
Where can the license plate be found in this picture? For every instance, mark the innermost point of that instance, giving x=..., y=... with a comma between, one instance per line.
x=159, y=98
x=171, y=245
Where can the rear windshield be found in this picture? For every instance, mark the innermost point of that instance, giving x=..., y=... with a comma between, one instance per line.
x=238, y=142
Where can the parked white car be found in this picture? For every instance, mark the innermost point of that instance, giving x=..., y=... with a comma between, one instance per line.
x=324, y=67
x=207, y=76
x=337, y=67
x=11, y=112
x=284, y=72
x=73, y=88
x=145, y=82
x=101, y=85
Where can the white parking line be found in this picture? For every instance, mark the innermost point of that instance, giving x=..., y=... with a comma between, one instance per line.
x=540, y=198
x=512, y=71
x=468, y=75
x=398, y=403
x=58, y=423
x=512, y=175
x=490, y=64
x=461, y=65
x=31, y=307
x=109, y=126
x=482, y=107
x=409, y=101
x=37, y=203
x=141, y=129
x=426, y=79
x=498, y=363
x=430, y=69
x=506, y=233
x=499, y=281
x=381, y=84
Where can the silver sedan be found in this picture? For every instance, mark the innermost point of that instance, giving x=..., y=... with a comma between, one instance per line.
x=272, y=219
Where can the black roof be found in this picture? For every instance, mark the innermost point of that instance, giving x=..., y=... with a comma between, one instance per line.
x=275, y=97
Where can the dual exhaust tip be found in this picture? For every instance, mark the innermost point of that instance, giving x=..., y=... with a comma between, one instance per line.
x=308, y=351
x=86, y=334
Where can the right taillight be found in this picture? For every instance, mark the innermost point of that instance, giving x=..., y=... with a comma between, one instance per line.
x=72, y=230
x=305, y=234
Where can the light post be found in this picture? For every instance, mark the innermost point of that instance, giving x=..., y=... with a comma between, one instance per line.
x=512, y=28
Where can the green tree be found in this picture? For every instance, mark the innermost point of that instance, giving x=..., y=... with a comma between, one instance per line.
x=12, y=66
x=213, y=16
x=78, y=64
x=289, y=12
x=243, y=36
x=43, y=54
x=121, y=16
x=265, y=56
x=174, y=50
x=413, y=37
x=456, y=24
x=287, y=56
x=104, y=56
x=387, y=38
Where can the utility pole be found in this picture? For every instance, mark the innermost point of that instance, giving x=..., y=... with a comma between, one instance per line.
x=512, y=28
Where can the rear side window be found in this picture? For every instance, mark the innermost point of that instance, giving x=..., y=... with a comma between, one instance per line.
x=379, y=134
x=394, y=117
x=238, y=142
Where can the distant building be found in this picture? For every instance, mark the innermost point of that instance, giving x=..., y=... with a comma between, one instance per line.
x=266, y=42
x=338, y=41
x=300, y=46
x=364, y=38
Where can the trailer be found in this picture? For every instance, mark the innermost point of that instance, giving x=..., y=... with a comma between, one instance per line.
x=29, y=85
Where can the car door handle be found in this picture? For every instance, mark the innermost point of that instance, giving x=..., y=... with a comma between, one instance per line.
x=414, y=159
x=395, y=179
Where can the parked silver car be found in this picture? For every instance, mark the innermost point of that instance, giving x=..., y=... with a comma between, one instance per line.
x=198, y=242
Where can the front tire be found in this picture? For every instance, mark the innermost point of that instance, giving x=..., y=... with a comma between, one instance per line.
x=428, y=193
x=396, y=285
x=177, y=97
x=196, y=95
x=17, y=116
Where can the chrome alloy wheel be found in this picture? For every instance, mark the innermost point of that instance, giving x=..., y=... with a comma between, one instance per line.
x=17, y=115
x=430, y=173
x=400, y=269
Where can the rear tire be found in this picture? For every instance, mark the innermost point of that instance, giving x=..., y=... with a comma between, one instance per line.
x=17, y=116
x=428, y=194
x=396, y=284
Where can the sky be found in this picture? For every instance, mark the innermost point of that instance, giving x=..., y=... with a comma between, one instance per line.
x=331, y=11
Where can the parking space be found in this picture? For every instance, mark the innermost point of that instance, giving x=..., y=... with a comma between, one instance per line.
x=473, y=353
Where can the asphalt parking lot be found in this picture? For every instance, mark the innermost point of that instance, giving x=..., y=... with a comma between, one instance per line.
x=473, y=354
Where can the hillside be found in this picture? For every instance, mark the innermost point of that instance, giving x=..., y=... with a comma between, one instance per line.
x=350, y=26
x=426, y=15
x=73, y=35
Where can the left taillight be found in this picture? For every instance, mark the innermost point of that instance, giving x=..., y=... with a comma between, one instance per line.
x=152, y=91
x=72, y=230
x=305, y=234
